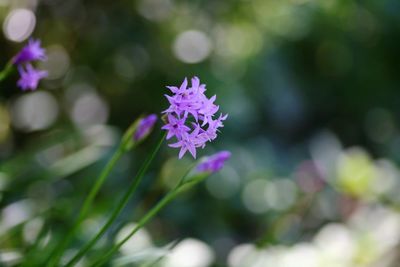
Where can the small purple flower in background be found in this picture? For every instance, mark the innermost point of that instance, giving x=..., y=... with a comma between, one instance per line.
x=190, y=117
x=30, y=77
x=31, y=52
x=214, y=163
x=144, y=127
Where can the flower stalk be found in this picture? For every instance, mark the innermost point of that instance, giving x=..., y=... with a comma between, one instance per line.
x=6, y=71
x=54, y=257
x=121, y=205
x=208, y=166
x=127, y=143
x=183, y=185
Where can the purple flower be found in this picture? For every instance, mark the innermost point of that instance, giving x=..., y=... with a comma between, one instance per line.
x=30, y=77
x=179, y=90
x=145, y=126
x=190, y=117
x=187, y=143
x=214, y=163
x=175, y=127
x=31, y=52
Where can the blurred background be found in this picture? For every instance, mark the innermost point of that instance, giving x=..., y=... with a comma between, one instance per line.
x=312, y=92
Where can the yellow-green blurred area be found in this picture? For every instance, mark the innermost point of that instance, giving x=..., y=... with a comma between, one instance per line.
x=312, y=89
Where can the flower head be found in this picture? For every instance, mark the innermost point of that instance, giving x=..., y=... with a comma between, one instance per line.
x=30, y=77
x=190, y=117
x=214, y=163
x=145, y=126
x=31, y=52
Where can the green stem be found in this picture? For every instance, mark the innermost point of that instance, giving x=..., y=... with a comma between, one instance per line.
x=180, y=187
x=6, y=71
x=121, y=205
x=57, y=252
x=30, y=254
x=160, y=258
x=163, y=202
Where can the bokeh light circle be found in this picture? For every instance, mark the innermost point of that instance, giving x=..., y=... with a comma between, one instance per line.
x=34, y=111
x=192, y=46
x=19, y=24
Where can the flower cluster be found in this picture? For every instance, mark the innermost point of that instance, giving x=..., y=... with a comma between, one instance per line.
x=29, y=76
x=214, y=163
x=190, y=117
